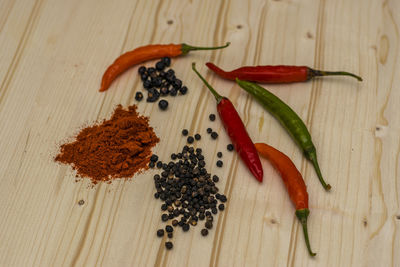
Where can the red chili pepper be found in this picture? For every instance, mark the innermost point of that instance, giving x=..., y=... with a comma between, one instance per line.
x=294, y=184
x=236, y=131
x=144, y=53
x=275, y=74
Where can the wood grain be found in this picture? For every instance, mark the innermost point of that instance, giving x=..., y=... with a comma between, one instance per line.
x=53, y=55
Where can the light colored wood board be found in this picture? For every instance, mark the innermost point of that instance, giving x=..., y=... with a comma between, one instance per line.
x=52, y=92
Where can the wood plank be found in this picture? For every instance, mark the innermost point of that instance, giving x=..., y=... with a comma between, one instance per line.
x=55, y=54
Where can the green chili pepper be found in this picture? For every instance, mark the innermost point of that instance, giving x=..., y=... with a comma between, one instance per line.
x=289, y=119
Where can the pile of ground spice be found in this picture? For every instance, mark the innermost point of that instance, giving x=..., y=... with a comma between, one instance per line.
x=115, y=148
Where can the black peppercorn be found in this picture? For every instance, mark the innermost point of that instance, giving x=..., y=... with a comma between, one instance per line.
x=166, y=61
x=142, y=70
x=160, y=65
x=219, y=163
x=138, y=96
x=152, y=164
x=185, y=132
x=214, y=135
x=160, y=232
x=212, y=117
x=169, y=245
x=208, y=224
x=173, y=92
x=159, y=164
x=185, y=227
x=163, y=104
x=169, y=228
x=209, y=130
x=197, y=136
x=219, y=154
x=183, y=90
x=164, y=217
x=230, y=147
x=170, y=235
x=221, y=206
x=204, y=232
x=190, y=139
x=215, y=179
x=154, y=158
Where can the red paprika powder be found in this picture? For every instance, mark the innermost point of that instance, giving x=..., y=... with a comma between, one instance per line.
x=115, y=148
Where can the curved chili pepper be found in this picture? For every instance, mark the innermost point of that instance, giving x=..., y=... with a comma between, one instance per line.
x=275, y=74
x=145, y=53
x=289, y=119
x=236, y=131
x=294, y=184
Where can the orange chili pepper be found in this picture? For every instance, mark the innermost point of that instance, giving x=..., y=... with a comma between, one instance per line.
x=145, y=53
x=294, y=184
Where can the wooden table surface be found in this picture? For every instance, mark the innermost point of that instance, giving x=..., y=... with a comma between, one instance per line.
x=53, y=54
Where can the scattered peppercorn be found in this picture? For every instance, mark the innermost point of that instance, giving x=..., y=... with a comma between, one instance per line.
x=208, y=224
x=190, y=139
x=215, y=179
x=185, y=132
x=221, y=206
x=169, y=245
x=154, y=158
x=212, y=117
x=170, y=235
x=152, y=164
x=166, y=61
x=183, y=90
x=209, y=130
x=204, y=232
x=230, y=147
x=214, y=135
x=169, y=229
x=163, y=104
x=219, y=154
x=160, y=232
x=185, y=227
x=219, y=163
x=164, y=217
x=197, y=136
x=138, y=96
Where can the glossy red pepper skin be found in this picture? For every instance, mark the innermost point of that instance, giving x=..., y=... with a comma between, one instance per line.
x=275, y=74
x=265, y=74
x=239, y=137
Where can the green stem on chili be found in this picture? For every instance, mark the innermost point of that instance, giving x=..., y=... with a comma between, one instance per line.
x=217, y=96
x=187, y=48
x=314, y=73
x=302, y=215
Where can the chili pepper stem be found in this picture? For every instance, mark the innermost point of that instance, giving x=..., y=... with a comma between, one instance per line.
x=217, y=96
x=187, y=48
x=314, y=73
x=313, y=158
x=302, y=215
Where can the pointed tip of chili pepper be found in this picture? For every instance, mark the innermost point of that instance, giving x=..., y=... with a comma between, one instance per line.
x=302, y=215
x=313, y=158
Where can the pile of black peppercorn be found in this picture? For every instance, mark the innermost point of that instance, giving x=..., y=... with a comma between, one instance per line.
x=189, y=192
x=159, y=83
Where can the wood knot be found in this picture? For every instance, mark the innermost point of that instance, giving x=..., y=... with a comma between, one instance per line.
x=170, y=22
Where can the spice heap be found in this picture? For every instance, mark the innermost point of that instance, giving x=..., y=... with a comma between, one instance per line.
x=188, y=191
x=159, y=82
x=116, y=148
